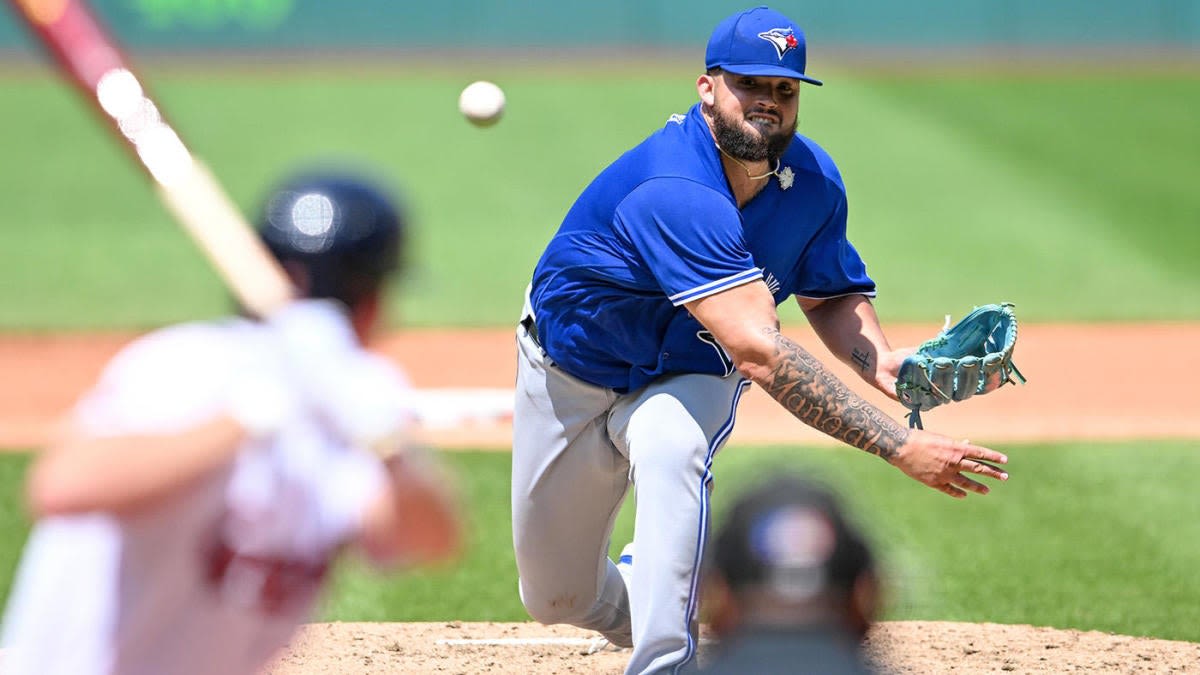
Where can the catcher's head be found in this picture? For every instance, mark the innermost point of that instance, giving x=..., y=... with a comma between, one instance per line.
x=788, y=554
x=338, y=235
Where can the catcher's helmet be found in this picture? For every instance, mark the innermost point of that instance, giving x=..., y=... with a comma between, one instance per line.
x=339, y=234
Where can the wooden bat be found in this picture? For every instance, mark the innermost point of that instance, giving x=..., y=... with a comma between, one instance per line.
x=86, y=53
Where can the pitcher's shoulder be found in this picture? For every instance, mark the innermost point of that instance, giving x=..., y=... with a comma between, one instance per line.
x=806, y=154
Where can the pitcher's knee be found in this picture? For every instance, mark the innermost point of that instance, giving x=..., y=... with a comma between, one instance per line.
x=565, y=607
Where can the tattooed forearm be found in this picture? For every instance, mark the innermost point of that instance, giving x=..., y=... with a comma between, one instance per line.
x=862, y=359
x=809, y=391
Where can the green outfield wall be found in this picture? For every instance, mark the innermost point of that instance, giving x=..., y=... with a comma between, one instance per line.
x=468, y=26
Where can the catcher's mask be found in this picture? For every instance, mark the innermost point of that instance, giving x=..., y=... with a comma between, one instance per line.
x=791, y=537
x=339, y=234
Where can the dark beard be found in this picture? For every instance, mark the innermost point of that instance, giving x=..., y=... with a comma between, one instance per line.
x=749, y=147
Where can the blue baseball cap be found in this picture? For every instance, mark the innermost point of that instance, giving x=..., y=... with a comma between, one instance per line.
x=758, y=41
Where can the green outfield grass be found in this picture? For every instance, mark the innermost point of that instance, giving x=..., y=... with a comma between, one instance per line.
x=1083, y=536
x=964, y=188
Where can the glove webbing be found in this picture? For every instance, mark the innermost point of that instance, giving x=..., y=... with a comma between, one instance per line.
x=914, y=414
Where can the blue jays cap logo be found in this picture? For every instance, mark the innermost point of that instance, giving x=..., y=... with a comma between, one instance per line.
x=783, y=39
x=736, y=45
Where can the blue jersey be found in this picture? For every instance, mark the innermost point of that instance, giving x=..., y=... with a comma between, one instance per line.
x=660, y=227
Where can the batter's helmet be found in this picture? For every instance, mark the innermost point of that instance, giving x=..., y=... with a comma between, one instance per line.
x=339, y=234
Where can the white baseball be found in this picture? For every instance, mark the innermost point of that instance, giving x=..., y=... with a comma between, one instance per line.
x=481, y=103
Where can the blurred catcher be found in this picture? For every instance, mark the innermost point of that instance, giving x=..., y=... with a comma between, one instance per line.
x=790, y=584
x=188, y=514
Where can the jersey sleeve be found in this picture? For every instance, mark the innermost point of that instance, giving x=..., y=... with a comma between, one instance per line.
x=349, y=483
x=831, y=266
x=159, y=383
x=307, y=489
x=689, y=236
x=353, y=478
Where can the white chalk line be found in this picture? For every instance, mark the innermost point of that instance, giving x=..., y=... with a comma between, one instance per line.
x=527, y=642
x=519, y=642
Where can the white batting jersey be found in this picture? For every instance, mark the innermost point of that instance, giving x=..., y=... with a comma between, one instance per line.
x=217, y=578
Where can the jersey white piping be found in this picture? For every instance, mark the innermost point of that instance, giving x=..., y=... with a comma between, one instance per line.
x=715, y=286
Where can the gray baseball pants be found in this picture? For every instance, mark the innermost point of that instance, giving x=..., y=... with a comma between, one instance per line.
x=576, y=450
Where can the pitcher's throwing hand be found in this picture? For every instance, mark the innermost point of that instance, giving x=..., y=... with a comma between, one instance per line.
x=942, y=463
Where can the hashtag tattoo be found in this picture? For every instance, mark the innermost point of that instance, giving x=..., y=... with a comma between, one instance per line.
x=861, y=359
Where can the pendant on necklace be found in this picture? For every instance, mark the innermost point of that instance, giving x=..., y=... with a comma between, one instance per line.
x=786, y=177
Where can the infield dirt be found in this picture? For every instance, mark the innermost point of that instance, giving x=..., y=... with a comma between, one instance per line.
x=1067, y=397
x=919, y=647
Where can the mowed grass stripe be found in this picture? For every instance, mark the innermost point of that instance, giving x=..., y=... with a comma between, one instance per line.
x=1088, y=536
x=962, y=190
x=1132, y=163
x=1058, y=130
x=480, y=586
x=931, y=182
x=1077, y=538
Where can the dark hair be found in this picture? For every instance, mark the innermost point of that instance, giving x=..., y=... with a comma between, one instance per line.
x=339, y=234
x=790, y=535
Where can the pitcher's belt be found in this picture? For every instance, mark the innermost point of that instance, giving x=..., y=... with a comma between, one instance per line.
x=531, y=328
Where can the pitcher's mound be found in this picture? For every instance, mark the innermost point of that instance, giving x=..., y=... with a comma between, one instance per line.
x=898, y=646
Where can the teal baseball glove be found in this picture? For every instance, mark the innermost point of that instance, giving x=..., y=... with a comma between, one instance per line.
x=971, y=358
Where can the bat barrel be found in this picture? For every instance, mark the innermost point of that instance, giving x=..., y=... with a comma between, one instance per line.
x=75, y=38
x=86, y=53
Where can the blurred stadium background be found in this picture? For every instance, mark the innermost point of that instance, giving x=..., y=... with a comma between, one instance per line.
x=204, y=26
x=1019, y=129
x=1042, y=151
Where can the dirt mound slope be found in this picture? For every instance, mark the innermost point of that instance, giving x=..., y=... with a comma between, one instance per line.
x=897, y=646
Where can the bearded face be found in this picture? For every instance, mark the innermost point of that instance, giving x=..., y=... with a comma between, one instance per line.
x=751, y=140
x=753, y=119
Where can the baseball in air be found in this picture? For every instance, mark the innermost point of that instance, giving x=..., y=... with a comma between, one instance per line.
x=481, y=103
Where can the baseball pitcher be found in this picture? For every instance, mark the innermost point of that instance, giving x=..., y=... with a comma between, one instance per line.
x=652, y=310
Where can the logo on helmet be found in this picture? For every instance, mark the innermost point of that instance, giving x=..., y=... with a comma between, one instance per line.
x=782, y=39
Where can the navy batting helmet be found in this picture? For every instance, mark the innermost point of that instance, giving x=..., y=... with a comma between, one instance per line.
x=338, y=235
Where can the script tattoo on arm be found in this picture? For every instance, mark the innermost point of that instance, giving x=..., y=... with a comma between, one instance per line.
x=803, y=386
